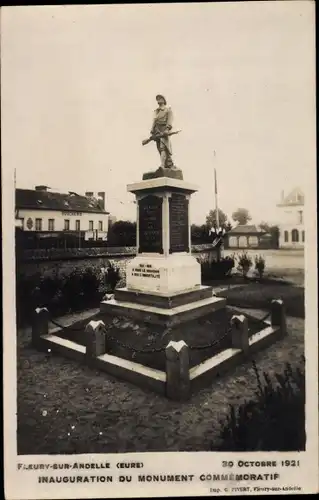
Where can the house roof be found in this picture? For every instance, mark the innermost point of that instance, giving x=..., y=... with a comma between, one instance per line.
x=245, y=229
x=48, y=200
x=295, y=197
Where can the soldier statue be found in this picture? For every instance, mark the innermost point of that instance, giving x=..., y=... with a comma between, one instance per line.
x=161, y=131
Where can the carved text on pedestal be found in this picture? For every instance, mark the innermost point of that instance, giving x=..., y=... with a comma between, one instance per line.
x=178, y=223
x=150, y=224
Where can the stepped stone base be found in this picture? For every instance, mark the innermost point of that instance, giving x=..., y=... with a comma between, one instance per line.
x=163, y=315
x=166, y=301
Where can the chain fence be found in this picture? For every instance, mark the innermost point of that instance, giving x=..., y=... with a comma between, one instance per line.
x=148, y=348
x=67, y=327
x=267, y=315
x=250, y=316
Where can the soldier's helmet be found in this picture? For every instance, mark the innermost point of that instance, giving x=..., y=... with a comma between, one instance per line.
x=160, y=96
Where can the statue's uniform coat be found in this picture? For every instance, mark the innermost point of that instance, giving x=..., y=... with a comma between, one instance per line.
x=162, y=122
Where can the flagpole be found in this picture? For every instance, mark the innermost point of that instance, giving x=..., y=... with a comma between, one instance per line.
x=216, y=197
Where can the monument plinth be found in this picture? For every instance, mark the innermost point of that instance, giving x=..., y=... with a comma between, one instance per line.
x=164, y=263
x=163, y=281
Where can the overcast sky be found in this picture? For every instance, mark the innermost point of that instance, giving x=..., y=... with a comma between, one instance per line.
x=79, y=86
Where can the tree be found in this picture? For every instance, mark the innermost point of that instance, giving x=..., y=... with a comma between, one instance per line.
x=264, y=226
x=199, y=234
x=273, y=231
x=211, y=219
x=122, y=233
x=242, y=216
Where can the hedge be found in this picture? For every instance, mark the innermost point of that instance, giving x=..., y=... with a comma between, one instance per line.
x=60, y=293
x=217, y=269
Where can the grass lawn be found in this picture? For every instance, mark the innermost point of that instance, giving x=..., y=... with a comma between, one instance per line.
x=65, y=407
x=259, y=296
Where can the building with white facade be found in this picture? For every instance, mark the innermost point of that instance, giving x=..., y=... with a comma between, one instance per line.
x=291, y=219
x=49, y=212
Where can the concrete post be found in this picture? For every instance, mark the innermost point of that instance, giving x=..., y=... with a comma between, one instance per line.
x=278, y=316
x=177, y=371
x=239, y=333
x=40, y=325
x=95, y=340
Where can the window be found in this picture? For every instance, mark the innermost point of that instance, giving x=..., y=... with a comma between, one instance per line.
x=90, y=225
x=100, y=225
x=303, y=236
x=77, y=225
x=66, y=225
x=51, y=225
x=294, y=236
x=300, y=217
x=38, y=224
x=286, y=236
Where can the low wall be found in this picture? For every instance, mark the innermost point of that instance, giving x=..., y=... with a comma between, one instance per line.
x=56, y=261
x=49, y=254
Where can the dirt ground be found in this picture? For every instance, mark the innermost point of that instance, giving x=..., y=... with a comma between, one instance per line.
x=64, y=407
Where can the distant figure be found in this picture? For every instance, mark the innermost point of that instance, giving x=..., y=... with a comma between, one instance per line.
x=161, y=131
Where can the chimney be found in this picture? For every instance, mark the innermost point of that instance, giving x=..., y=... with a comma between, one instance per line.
x=101, y=199
x=41, y=188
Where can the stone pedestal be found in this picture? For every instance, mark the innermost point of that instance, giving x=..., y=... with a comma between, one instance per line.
x=163, y=282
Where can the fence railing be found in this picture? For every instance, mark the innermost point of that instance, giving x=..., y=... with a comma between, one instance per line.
x=176, y=381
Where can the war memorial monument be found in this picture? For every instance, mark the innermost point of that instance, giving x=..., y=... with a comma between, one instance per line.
x=194, y=336
x=163, y=281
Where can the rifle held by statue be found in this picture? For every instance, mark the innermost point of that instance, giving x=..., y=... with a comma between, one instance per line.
x=155, y=137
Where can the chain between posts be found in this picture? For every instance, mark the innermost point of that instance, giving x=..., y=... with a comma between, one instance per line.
x=265, y=317
x=70, y=327
x=125, y=346
x=212, y=344
x=148, y=349
x=161, y=349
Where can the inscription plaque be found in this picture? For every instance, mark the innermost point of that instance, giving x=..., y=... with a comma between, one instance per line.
x=178, y=223
x=150, y=225
x=146, y=271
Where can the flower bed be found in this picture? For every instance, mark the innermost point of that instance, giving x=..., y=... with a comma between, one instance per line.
x=219, y=269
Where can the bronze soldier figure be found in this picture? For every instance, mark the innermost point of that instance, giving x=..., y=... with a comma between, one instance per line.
x=161, y=131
